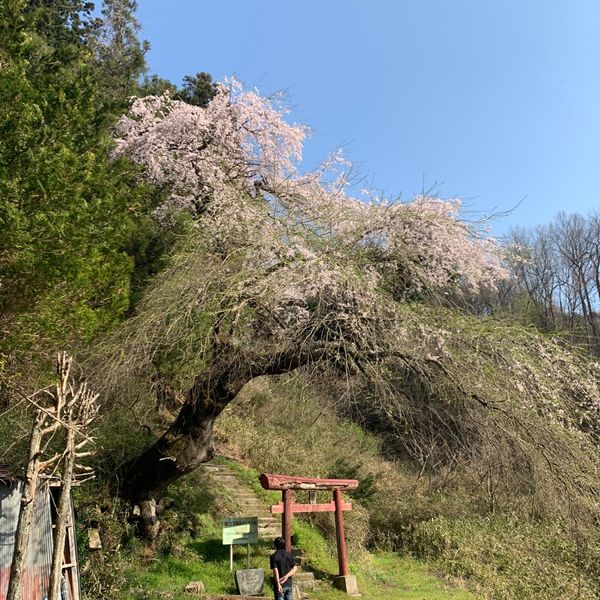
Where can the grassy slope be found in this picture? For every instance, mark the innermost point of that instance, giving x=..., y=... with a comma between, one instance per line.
x=190, y=549
x=515, y=520
x=505, y=523
x=381, y=576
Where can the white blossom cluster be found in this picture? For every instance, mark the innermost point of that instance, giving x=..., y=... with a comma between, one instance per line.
x=289, y=244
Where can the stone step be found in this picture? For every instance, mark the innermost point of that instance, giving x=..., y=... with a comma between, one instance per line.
x=269, y=526
x=249, y=499
x=305, y=580
x=269, y=530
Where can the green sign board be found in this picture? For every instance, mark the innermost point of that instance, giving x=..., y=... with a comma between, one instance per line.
x=240, y=530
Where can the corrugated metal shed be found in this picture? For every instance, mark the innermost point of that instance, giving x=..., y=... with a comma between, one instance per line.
x=10, y=498
x=39, y=551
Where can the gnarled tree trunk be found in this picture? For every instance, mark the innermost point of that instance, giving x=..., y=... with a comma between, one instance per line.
x=188, y=442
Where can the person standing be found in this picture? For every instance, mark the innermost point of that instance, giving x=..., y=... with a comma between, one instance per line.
x=283, y=567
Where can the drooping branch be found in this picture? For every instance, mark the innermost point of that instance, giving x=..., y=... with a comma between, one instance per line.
x=283, y=270
x=188, y=441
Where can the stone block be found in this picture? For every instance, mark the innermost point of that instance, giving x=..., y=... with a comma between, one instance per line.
x=250, y=582
x=195, y=587
x=347, y=583
x=94, y=541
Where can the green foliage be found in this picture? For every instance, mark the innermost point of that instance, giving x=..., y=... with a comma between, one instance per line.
x=380, y=575
x=345, y=468
x=63, y=24
x=103, y=573
x=153, y=85
x=511, y=559
x=198, y=89
x=72, y=237
x=481, y=454
x=119, y=54
x=190, y=549
x=471, y=520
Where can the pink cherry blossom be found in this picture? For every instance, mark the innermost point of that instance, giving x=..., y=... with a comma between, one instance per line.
x=234, y=165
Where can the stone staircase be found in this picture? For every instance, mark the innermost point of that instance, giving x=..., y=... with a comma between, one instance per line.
x=304, y=580
x=248, y=503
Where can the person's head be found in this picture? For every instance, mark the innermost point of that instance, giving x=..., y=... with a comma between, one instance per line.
x=279, y=543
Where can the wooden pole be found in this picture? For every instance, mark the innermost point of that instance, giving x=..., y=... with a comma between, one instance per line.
x=63, y=514
x=339, y=529
x=287, y=519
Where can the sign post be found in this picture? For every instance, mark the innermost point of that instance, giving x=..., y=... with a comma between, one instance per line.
x=240, y=530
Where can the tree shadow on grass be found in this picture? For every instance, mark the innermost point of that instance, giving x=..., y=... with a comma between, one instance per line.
x=211, y=550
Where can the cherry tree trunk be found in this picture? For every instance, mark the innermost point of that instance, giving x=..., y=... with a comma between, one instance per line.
x=189, y=440
x=182, y=448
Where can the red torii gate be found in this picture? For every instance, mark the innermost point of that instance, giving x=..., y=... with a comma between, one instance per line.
x=287, y=507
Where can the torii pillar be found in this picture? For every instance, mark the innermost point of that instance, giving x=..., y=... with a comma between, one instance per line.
x=287, y=507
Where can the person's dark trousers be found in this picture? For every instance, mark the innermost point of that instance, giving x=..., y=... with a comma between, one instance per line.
x=286, y=595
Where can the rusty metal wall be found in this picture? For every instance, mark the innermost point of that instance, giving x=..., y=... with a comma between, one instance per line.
x=10, y=499
x=39, y=550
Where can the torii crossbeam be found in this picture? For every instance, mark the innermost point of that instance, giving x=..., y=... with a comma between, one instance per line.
x=287, y=507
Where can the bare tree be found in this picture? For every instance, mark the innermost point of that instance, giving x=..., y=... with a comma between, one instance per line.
x=80, y=408
x=69, y=407
x=559, y=267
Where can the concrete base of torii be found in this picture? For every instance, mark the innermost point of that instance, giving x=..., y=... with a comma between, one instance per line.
x=346, y=583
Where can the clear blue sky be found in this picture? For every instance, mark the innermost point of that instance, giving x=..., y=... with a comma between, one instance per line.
x=494, y=100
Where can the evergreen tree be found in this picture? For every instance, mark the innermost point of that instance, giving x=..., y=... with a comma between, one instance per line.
x=67, y=212
x=198, y=89
x=154, y=85
x=120, y=55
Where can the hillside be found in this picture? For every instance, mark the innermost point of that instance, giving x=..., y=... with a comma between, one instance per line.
x=192, y=551
x=500, y=502
x=220, y=299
